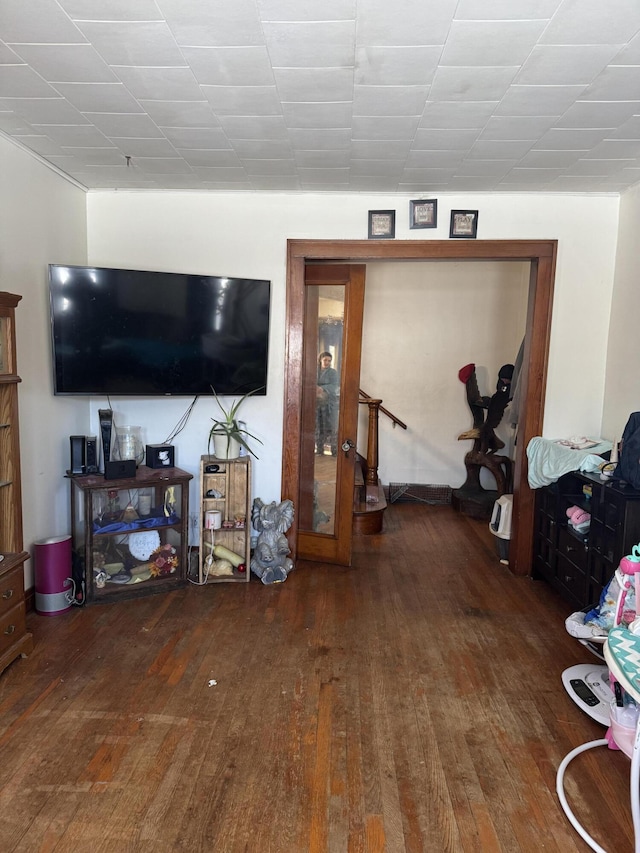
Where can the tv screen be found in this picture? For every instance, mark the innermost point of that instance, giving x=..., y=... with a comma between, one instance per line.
x=139, y=333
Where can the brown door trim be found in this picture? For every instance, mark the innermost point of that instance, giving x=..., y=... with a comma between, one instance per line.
x=542, y=256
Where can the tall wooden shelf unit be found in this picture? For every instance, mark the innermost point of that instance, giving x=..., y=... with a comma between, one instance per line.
x=15, y=640
x=225, y=487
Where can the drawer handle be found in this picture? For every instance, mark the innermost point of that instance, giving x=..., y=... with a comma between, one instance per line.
x=568, y=578
x=10, y=629
x=7, y=594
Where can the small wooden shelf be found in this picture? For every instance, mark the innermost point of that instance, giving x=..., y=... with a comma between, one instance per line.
x=225, y=488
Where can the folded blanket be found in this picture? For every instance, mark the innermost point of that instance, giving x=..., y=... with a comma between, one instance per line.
x=548, y=461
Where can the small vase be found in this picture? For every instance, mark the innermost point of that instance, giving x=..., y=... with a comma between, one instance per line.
x=225, y=446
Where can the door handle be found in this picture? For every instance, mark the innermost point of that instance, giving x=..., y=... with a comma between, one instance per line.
x=347, y=444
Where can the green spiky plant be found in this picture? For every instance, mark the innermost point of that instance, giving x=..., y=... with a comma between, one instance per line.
x=228, y=425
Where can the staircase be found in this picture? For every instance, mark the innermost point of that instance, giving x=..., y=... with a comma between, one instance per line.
x=369, y=500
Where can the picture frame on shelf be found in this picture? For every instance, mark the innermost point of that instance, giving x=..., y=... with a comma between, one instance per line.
x=464, y=224
x=382, y=224
x=423, y=213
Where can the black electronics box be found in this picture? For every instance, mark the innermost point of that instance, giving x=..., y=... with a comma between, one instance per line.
x=160, y=456
x=122, y=470
x=84, y=455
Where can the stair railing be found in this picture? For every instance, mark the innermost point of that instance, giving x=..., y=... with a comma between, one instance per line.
x=375, y=407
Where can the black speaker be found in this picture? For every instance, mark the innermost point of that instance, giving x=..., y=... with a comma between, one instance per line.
x=91, y=454
x=123, y=470
x=77, y=455
x=106, y=425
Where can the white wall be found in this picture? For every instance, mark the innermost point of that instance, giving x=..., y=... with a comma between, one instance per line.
x=622, y=394
x=422, y=323
x=42, y=221
x=238, y=234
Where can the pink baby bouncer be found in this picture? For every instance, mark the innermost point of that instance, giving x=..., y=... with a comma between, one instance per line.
x=613, y=627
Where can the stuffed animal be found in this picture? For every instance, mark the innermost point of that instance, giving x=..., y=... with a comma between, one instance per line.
x=270, y=561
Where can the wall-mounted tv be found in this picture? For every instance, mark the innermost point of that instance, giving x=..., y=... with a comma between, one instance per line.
x=142, y=333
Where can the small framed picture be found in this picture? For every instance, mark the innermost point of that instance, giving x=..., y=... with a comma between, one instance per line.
x=423, y=213
x=382, y=224
x=464, y=223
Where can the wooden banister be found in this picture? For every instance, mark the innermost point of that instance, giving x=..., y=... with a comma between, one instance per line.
x=366, y=397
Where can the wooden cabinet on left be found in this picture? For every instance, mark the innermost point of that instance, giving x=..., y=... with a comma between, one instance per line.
x=15, y=640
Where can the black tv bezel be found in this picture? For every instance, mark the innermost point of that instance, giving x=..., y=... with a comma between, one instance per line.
x=259, y=391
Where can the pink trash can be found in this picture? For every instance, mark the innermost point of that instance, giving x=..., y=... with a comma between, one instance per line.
x=52, y=570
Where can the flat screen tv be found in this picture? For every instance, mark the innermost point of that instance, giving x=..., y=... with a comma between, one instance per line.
x=142, y=333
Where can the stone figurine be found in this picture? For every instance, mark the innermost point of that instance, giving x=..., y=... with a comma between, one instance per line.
x=270, y=561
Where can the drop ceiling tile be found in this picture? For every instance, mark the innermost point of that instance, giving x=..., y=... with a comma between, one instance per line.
x=553, y=65
x=254, y=127
x=8, y=56
x=257, y=168
x=383, y=168
x=396, y=66
x=559, y=139
x=629, y=54
x=43, y=145
x=65, y=63
x=485, y=168
x=243, y=100
x=221, y=173
x=276, y=183
x=530, y=176
x=490, y=43
x=162, y=165
x=373, y=149
x=310, y=45
x=224, y=22
x=319, y=176
x=434, y=159
x=516, y=127
x=471, y=184
x=615, y=149
x=538, y=100
x=145, y=147
x=314, y=84
x=112, y=10
x=13, y=125
x=592, y=114
x=317, y=115
x=319, y=138
x=99, y=97
x=507, y=150
x=135, y=125
x=160, y=84
x=616, y=83
x=236, y=66
x=593, y=22
x=84, y=136
x=99, y=157
x=389, y=100
x=209, y=157
x=629, y=130
x=20, y=81
x=505, y=10
x=252, y=149
x=335, y=159
x=471, y=84
x=48, y=111
x=196, y=137
x=551, y=159
x=567, y=184
x=603, y=167
x=180, y=114
x=453, y=114
x=435, y=139
x=133, y=42
x=38, y=21
x=372, y=184
x=409, y=23
x=383, y=127
x=310, y=10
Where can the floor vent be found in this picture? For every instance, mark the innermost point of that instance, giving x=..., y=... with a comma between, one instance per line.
x=419, y=493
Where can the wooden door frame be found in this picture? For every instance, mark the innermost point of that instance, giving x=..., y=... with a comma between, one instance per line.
x=541, y=254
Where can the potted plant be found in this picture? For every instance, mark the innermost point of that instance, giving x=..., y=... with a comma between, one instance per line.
x=226, y=434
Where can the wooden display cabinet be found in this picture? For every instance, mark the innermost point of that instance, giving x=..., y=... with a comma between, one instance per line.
x=130, y=536
x=15, y=640
x=225, y=490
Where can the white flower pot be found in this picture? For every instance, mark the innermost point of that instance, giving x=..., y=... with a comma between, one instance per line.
x=225, y=447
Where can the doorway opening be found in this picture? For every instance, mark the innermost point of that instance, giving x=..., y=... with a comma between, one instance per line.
x=541, y=255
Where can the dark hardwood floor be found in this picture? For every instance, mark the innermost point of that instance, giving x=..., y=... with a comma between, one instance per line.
x=410, y=703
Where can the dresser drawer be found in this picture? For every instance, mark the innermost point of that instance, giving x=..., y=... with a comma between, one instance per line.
x=13, y=625
x=11, y=589
x=573, y=549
